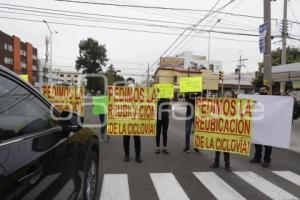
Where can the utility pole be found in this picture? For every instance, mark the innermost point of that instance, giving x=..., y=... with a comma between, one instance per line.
x=239, y=69
x=148, y=76
x=267, y=53
x=284, y=33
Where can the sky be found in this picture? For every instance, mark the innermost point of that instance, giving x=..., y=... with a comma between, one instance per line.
x=131, y=51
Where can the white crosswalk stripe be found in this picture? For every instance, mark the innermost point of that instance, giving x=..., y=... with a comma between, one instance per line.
x=167, y=187
x=265, y=186
x=219, y=188
x=115, y=187
x=290, y=176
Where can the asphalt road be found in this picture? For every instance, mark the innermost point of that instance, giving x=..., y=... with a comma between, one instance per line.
x=171, y=176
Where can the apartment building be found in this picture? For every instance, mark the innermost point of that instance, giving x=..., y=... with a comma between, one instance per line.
x=18, y=56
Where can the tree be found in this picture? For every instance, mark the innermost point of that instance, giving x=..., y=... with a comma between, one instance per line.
x=92, y=57
x=113, y=76
x=292, y=56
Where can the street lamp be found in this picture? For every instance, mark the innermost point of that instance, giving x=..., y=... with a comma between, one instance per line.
x=208, y=53
x=51, y=52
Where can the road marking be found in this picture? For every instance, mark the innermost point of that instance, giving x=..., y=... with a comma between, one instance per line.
x=266, y=187
x=167, y=187
x=115, y=187
x=219, y=188
x=290, y=176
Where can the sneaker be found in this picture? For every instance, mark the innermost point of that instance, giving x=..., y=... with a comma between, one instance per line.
x=214, y=165
x=108, y=139
x=157, y=151
x=165, y=151
x=138, y=159
x=266, y=164
x=186, y=149
x=196, y=150
x=255, y=161
x=126, y=158
x=227, y=168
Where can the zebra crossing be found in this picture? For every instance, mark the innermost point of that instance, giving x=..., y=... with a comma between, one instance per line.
x=167, y=187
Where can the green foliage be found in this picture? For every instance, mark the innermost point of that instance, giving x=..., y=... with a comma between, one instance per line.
x=92, y=57
x=292, y=56
x=112, y=75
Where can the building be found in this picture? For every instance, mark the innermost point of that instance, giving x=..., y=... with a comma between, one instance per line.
x=18, y=56
x=172, y=71
x=286, y=78
x=199, y=61
x=67, y=77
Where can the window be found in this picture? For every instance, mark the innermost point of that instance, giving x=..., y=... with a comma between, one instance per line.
x=61, y=75
x=8, y=47
x=34, y=67
x=23, y=53
x=21, y=112
x=175, y=79
x=68, y=75
x=34, y=57
x=23, y=65
x=75, y=75
x=8, y=61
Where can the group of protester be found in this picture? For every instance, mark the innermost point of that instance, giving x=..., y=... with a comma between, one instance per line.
x=163, y=112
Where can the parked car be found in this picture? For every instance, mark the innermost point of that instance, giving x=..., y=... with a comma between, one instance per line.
x=41, y=155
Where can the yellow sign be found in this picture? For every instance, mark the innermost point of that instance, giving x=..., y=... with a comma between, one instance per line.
x=65, y=98
x=190, y=84
x=165, y=90
x=24, y=77
x=132, y=111
x=223, y=124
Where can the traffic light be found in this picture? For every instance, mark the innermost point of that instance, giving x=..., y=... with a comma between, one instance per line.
x=221, y=75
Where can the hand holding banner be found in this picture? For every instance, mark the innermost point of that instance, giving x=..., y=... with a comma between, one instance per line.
x=165, y=90
x=190, y=84
x=100, y=104
x=224, y=124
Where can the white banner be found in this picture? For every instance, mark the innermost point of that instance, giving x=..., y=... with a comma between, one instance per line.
x=272, y=120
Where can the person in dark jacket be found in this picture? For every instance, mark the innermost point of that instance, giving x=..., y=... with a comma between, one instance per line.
x=190, y=116
x=163, y=112
x=137, y=139
x=264, y=90
x=216, y=163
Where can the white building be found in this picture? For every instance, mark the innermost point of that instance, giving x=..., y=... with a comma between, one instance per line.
x=231, y=82
x=191, y=60
x=67, y=77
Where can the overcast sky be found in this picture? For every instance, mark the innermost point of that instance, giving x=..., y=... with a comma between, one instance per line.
x=131, y=51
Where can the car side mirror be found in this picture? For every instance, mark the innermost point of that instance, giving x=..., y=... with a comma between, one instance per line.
x=71, y=122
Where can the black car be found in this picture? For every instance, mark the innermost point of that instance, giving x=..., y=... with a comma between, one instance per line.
x=42, y=155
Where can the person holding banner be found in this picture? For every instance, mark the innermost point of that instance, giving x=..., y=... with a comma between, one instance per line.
x=216, y=163
x=163, y=110
x=264, y=90
x=190, y=116
x=137, y=139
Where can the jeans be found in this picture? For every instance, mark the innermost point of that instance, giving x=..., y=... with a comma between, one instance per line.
x=102, y=118
x=137, y=145
x=188, y=130
x=226, y=158
x=258, y=153
x=162, y=124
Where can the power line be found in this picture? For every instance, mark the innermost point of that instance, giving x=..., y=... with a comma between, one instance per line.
x=133, y=30
x=109, y=21
x=95, y=19
x=208, y=14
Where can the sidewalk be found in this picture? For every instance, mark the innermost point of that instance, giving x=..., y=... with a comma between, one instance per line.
x=295, y=139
